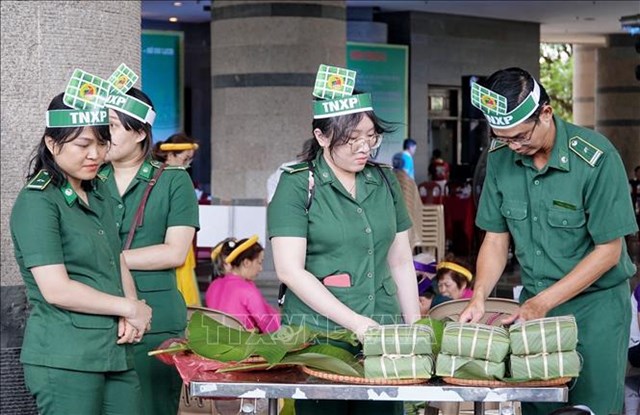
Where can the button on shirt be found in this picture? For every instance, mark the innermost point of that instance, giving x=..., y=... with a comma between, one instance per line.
x=558, y=214
x=344, y=235
x=54, y=226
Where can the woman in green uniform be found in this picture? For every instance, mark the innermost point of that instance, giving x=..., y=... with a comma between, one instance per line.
x=338, y=226
x=160, y=243
x=84, y=310
x=561, y=192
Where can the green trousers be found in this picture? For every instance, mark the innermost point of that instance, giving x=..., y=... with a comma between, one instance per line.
x=72, y=392
x=603, y=319
x=161, y=383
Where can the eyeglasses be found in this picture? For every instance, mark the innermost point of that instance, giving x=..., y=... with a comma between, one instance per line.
x=357, y=143
x=519, y=139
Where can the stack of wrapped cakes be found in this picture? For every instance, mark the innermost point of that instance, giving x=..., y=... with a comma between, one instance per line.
x=399, y=351
x=544, y=349
x=473, y=351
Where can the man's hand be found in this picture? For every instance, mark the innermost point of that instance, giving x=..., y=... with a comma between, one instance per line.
x=473, y=312
x=531, y=309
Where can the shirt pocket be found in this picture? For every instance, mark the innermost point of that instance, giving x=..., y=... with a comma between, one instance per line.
x=515, y=212
x=153, y=282
x=568, y=232
x=390, y=286
x=92, y=321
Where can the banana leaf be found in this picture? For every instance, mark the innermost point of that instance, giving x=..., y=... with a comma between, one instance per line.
x=478, y=341
x=438, y=329
x=398, y=339
x=468, y=368
x=323, y=357
x=398, y=367
x=213, y=340
x=545, y=335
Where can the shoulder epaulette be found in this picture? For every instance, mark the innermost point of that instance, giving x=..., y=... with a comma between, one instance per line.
x=104, y=172
x=295, y=168
x=167, y=167
x=585, y=150
x=496, y=145
x=40, y=181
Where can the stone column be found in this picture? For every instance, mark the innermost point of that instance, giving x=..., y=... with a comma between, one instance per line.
x=264, y=59
x=617, y=100
x=42, y=42
x=584, y=85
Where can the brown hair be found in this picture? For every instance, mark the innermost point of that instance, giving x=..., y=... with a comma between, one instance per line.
x=457, y=277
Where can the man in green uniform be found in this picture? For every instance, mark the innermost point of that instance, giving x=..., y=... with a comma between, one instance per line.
x=561, y=192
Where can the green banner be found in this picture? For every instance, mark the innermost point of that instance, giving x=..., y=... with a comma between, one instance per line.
x=162, y=79
x=383, y=71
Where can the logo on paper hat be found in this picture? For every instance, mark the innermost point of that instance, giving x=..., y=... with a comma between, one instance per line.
x=334, y=87
x=85, y=94
x=121, y=81
x=494, y=106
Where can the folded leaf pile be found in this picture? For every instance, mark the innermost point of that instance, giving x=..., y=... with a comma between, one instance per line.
x=473, y=351
x=399, y=351
x=544, y=349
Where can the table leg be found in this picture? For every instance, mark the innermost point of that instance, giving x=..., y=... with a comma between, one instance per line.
x=478, y=408
x=273, y=406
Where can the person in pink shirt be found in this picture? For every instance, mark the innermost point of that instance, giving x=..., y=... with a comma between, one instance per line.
x=454, y=280
x=233, y=290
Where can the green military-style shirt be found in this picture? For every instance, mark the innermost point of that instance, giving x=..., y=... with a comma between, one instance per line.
x=344, y=235
x=172, y=202
x=52, y=225
x=558, y=214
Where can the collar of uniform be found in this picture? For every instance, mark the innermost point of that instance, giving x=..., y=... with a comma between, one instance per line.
x=146, y=170
x=324, y=174
x=70, y=195
x=559, y=157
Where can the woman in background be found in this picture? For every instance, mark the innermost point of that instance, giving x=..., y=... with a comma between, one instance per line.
x=233, y=291
x=178, y=150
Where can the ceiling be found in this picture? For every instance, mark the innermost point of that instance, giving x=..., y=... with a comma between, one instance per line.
x=560, y=21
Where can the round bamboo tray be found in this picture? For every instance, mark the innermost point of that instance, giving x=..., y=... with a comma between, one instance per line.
x=500, y=384
x=358, y=380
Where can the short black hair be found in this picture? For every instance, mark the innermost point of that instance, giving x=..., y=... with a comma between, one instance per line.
x=408, y=142
x=516, y=84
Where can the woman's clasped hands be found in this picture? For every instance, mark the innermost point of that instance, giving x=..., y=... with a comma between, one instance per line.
x=132, y=327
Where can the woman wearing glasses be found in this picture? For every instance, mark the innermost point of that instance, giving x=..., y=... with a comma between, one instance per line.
x=338, y=227
x=561, y=191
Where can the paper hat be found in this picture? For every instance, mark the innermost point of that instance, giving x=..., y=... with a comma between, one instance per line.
x=334, y=86
x=85, y=95
x=121, y=81
x=494, y=106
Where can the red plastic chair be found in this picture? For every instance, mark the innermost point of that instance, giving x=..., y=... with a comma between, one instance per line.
x=430, y=193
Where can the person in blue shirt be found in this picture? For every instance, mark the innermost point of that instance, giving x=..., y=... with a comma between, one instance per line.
x=408, y=150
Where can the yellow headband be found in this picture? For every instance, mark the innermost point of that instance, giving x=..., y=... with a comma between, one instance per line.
x=216, y=251
x=240, y=249
x=457, y=268
x=178, y=146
